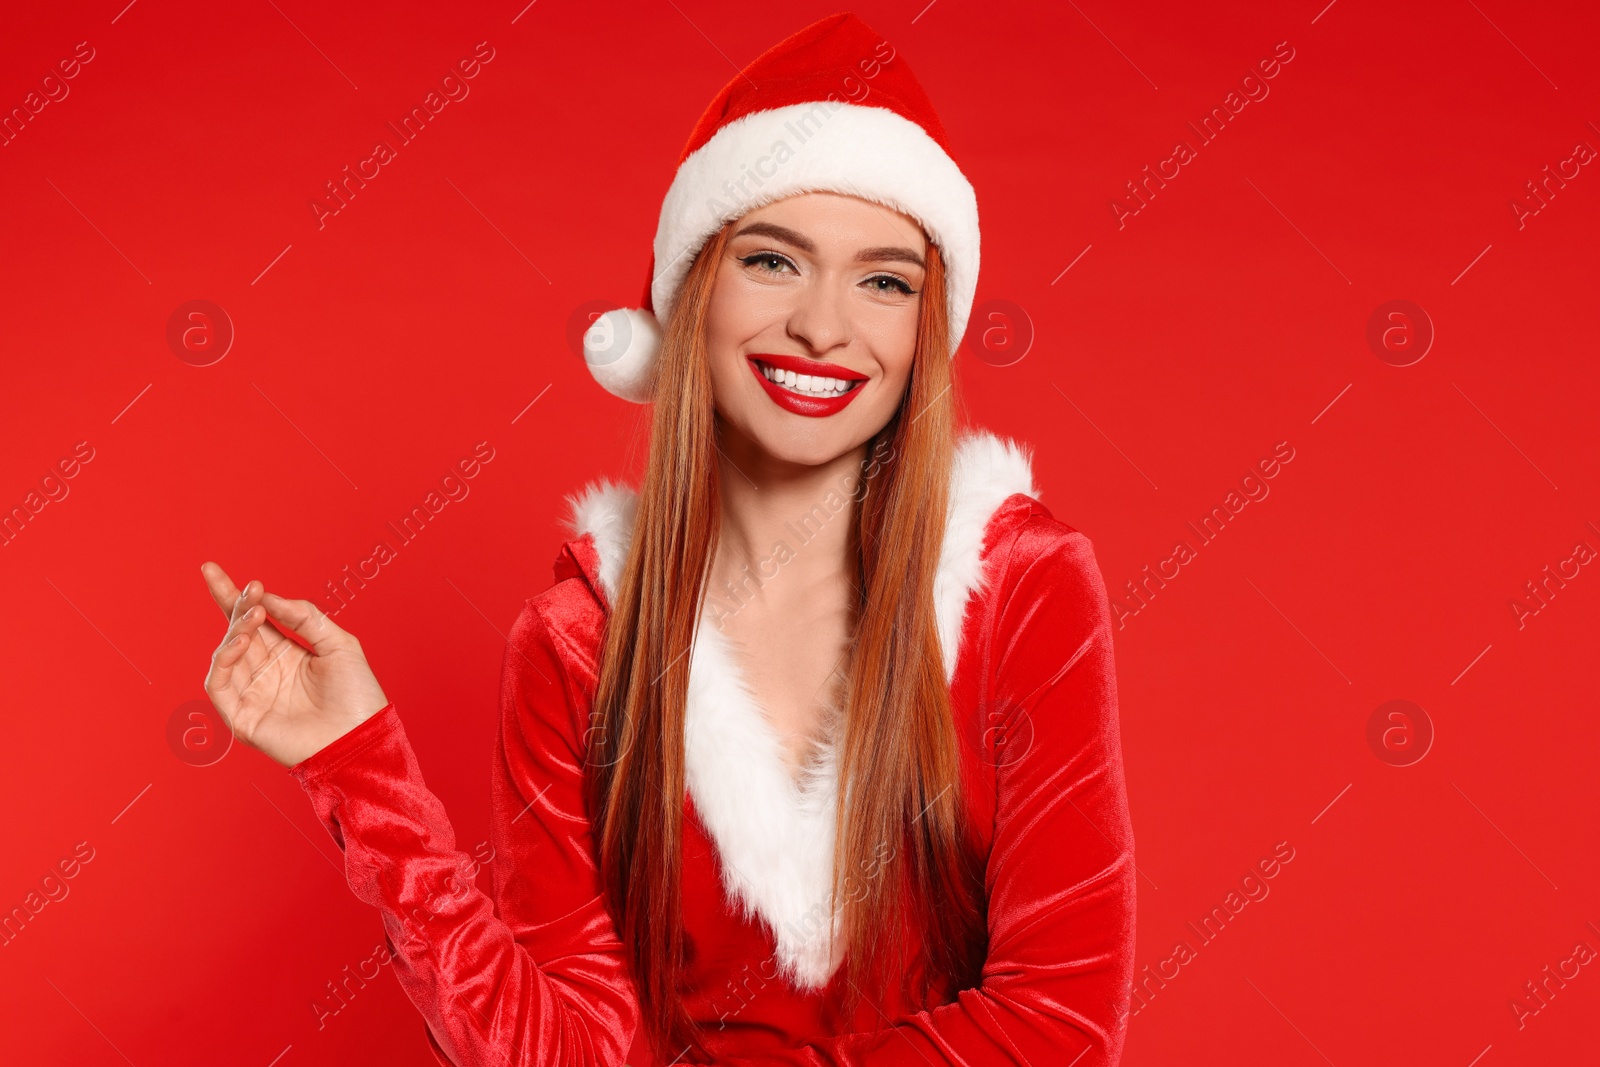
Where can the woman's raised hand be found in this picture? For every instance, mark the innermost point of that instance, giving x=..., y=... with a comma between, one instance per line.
x=272, y=693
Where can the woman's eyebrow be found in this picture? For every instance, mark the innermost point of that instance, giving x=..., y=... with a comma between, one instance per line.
x=782, y=233
x=881, y=255
x=867, y=255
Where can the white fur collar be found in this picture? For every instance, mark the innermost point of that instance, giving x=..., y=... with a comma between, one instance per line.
x=775, y=840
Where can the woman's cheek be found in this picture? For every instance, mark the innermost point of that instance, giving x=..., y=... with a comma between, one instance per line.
x=894, y=341
x=741, y=310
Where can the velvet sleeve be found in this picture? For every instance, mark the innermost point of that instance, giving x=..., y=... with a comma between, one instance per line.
x=1056, y=982
x=535, y=975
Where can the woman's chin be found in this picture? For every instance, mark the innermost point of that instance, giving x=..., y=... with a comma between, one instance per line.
x=809, y=442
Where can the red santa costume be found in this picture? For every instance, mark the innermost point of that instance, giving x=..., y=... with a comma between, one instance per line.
x=535, y=974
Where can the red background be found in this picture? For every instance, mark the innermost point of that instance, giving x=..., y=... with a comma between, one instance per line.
x=1225, y=317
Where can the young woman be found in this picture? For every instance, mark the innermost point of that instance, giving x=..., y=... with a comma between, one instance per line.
x=810, y=754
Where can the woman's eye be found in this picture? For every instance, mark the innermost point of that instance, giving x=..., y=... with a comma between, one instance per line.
x=769, y=261
x=888, y=283
x=773, y=263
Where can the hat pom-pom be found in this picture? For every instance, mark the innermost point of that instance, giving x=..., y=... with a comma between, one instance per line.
x=620, y=348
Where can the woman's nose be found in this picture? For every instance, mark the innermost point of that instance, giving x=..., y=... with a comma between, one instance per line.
x=821, y=319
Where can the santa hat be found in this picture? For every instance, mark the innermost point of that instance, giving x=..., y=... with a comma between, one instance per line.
x=830, y=109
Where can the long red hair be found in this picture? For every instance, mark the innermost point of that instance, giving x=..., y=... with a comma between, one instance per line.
x=900, y=795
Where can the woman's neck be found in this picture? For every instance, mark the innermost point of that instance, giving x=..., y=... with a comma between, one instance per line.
x=786, y=528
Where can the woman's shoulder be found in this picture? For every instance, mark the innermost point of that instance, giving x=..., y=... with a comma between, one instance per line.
x=1029, y=550
x=1010, y=565
x=562, y=625
x=571, y=611
x=993, y=477
x=1023, y=528
x=994, y=489
x=568, y=616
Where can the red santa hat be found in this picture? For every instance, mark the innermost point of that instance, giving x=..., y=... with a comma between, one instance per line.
x=830, y=109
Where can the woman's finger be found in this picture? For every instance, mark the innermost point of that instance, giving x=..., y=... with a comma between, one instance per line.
x=222, y=589
x=226, y=679
x=231, y=652
x=246, y=624
x=234, y=601
x=258, y=655
x=272, y=643
x=243, y=651
x=307, y=621
x=249, y=623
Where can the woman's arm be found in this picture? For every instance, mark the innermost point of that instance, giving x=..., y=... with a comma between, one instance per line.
x=1055, y=986
x=536, y=976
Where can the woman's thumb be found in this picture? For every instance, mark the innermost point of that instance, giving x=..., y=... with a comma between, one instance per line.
x=304, y=620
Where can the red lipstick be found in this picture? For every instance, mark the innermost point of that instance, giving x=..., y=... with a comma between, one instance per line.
x=811, y=406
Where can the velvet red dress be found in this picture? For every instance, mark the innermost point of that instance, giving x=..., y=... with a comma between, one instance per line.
x=535, y=974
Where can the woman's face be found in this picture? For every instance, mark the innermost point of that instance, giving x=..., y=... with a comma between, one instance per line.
x=823, y=292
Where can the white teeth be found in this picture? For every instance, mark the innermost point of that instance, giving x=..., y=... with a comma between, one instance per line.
x=805, y=384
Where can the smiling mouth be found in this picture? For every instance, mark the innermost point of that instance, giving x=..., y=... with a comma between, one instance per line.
x=813, y=385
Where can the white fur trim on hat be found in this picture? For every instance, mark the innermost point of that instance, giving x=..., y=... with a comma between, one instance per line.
x=620, y=348
x=870, y=152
